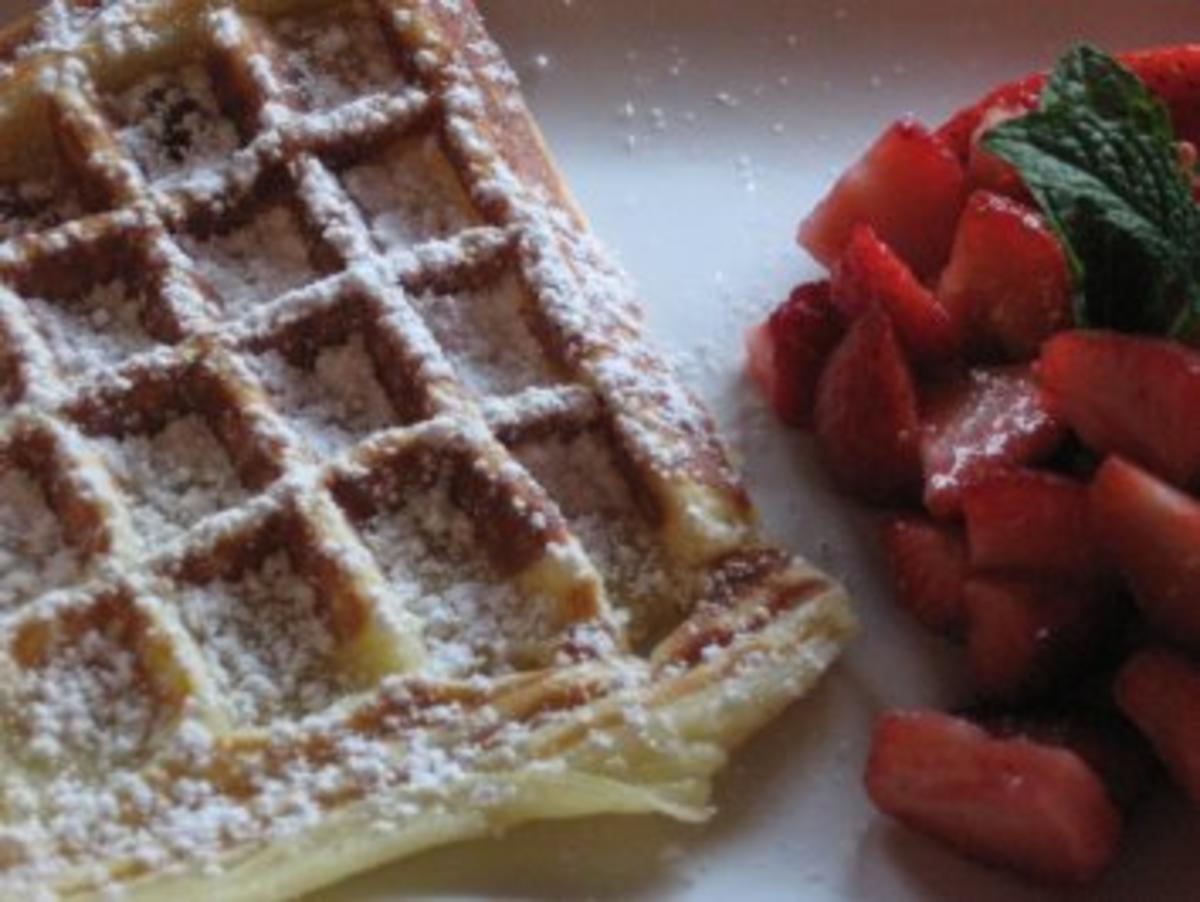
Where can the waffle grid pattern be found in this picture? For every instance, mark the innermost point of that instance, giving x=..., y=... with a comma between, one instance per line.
x=285, y=375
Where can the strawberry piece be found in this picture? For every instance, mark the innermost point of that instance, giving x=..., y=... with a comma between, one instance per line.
x=1128, y=395
x=1007, y=282
x=1173, y=73
x=1038, y=809
x=988, y=171
x=869, y=274
x=990, y=420
x=786, y=352
x=1035, y=523
x=1108, y=743
x=908, y=187
x=1025, y=638
x=866, y=413
x=1017, y=96
x=1159, y=691
x=1152, y=532
x=928, y=565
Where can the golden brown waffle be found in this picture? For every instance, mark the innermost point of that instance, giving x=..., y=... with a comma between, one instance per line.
x=343, y=510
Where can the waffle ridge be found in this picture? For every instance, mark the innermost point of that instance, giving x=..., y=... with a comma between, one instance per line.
x=344, y=510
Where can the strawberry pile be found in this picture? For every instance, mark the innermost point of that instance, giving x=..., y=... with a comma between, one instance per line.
x=1037, y=473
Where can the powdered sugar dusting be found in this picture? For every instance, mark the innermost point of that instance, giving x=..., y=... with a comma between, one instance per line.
x=410, y=193
x=174, y=477
x=255, y=262
x=171, y=122
x=332, y=59
x=33, y=555
x=475, y=620
x=100, y=328
x=336, y=402
x=486, y=335
x=583, y=478
x=266, y=639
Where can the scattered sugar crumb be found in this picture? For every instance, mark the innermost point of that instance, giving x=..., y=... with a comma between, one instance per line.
x=336, y=402
x=485, y=335
x=33, y=555
x=267, y=641
x=409, y=194
x=172, y=478
x=100, y=328
x=255, y=262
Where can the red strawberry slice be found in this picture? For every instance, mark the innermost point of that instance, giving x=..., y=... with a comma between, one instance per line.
x=1173, y=73
x=1007, y=282
x=869, y=274
x=1128, y=395
x=866, y=413
x=1025, y=638
x=1159, y=691
x=990, y=420
x=988, y=171
x=1106, y=742
x=908, y=187
x=1152, y=532
x=1018, y=96
x=1034, y=523
x=928, y=565
x=786, y=352
x=1010, y=802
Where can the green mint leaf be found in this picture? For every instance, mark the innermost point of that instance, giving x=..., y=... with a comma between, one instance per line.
x=1099, y=158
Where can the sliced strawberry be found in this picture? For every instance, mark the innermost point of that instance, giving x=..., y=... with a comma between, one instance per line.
x=990, y=420
x=1108, y=743
x=1152, y=532
x=866, y=413
x=1007, y=282
x=1159, y=691
x=1033, y=522
x=986, y=170
x=1010, y=802
x=908, y=187
x=869, y=274
x=928, y=565
x=786, y=352
x=957, y=132
x=1128, y=395
x=1173, y=73
x=1025, y=638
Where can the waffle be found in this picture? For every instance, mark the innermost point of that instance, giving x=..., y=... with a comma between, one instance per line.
x=344, y=510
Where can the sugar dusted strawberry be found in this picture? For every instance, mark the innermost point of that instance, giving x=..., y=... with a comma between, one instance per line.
x=1129, y=395
x=928, y=566
x=987, y=421
x=1152, y=531
x=1037, y=808
x=869, y=274
x=908, y=187
x=1032, y=522
x=786, y=352
x=1025, y=637
x=1007, y=282
x=866, y=413
x=1159, y=690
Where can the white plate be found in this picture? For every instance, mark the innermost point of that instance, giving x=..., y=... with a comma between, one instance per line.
x=695, y=133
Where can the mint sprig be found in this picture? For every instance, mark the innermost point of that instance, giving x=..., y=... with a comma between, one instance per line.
x=1099, y=157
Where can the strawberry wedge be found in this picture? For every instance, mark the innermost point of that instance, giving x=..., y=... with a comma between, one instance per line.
x=908, y=187
x=928, y=565
x=1039, y=809
x=1130, y=395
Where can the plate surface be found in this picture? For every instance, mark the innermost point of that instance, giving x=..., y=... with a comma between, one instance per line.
x=695, y=133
